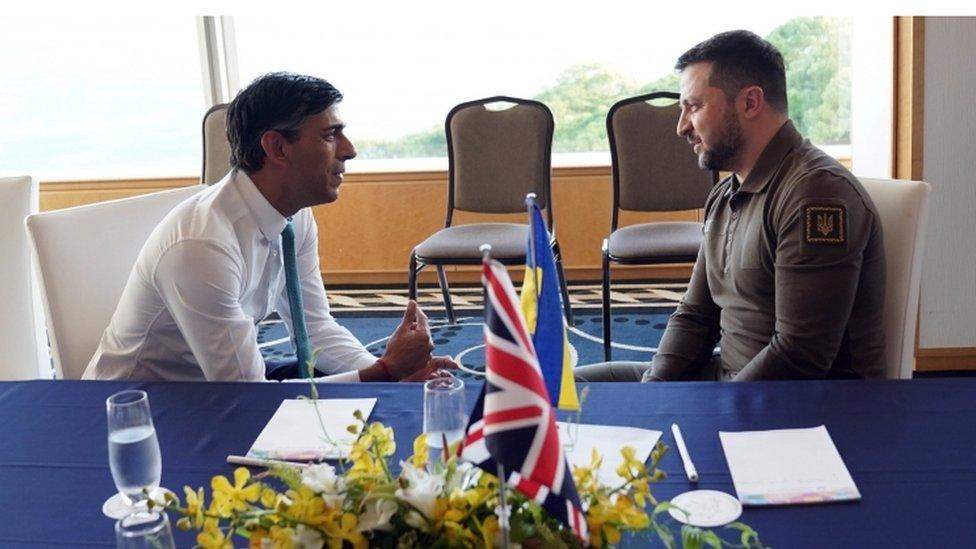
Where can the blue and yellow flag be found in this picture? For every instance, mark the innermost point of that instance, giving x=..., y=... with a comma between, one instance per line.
x=542, y=308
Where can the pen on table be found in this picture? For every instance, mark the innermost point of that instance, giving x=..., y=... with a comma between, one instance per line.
x=685, y=456
x=255, y=462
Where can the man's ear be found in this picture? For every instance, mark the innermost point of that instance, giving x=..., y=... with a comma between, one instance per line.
x=753, y=102
x=275, y=148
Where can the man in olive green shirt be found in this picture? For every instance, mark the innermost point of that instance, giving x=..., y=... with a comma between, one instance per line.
x=789, y=281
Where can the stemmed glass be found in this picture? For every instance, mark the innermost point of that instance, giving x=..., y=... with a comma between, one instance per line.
x=144, y=531
x=133, y=453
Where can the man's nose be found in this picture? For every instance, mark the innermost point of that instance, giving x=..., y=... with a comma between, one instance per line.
x=347, y=150
x=684, y=127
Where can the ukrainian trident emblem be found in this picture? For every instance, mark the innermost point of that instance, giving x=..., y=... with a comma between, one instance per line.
x=825, y=224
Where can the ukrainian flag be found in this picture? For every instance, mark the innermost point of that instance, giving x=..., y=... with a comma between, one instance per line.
x=542, y=308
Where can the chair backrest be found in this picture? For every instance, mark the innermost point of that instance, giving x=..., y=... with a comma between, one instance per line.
x=83, y=256
x=903, y=207
x=216, y=147
x=22, y=340
x=497, y=156
x=654, y=169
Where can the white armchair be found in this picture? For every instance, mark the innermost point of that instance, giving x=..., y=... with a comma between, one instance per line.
x=903, y=207
x=22, y=335
x=83, y=257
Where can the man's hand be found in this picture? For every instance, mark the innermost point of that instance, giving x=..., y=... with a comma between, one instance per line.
x=436, y=367
x=408, y=351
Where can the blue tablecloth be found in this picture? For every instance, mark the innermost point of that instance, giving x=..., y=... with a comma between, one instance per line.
x=910, y=447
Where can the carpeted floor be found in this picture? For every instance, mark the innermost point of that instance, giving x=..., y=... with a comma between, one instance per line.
x=640, y=313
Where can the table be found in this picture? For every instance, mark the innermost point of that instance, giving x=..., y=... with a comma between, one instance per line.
x=910, y=447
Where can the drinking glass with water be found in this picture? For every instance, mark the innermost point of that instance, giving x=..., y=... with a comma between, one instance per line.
x=144, y=530
x=133, y=453
x=445, y=414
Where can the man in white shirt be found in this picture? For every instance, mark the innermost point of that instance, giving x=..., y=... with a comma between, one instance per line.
x=213, y=267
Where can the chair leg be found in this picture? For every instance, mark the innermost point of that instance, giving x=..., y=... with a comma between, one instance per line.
x=563, y=288
x=412, y=271
x=606, y=303
x=446, y=292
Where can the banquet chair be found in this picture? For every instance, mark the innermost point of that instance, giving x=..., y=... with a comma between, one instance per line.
x=216, y=147
x=903, y=207
x=83, y=257
x=495, y=156
x=22, y=320
x=654, y=170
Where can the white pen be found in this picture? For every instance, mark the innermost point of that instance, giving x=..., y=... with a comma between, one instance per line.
x=685, y=456
x=255, y=462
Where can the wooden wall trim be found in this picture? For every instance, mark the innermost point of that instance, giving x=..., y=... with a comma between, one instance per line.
x=950, y=358
x=909, y=100
x=366, y=236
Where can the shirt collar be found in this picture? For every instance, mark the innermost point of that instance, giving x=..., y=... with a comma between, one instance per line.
x=270, y=222
x=785, y=140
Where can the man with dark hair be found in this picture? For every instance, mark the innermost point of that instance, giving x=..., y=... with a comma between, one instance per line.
x=790, y=277
x=217, y=264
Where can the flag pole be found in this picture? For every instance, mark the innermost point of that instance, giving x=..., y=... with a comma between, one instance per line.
x=502, y=496
x=529, y=204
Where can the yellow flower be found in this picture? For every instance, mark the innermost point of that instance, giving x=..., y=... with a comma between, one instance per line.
x=212, y=537
x=268, y=497
x=343, y=528
x=419, y=457
x=194, y=507
x=631, y=467
x=489, y=530
x=279, y=537
x=236, y=497
x=307, y=506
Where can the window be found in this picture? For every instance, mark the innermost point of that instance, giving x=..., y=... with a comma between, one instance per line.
x=401, y=71
x=100, y=97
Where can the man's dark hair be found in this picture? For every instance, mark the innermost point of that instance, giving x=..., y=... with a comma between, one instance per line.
x=278, y=101
x=740, y=58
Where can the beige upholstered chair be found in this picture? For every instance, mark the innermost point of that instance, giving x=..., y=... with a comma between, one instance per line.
x=22, y=336
x=654, y=170
x=496, y=157
x=216, y=147
x=903, y=207
x=83, y=257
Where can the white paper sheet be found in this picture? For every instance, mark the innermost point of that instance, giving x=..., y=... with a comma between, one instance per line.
x=580, y=439
x=787, y=466
x=294, y=432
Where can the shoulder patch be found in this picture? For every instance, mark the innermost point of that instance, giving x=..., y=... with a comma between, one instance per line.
x=825, y=224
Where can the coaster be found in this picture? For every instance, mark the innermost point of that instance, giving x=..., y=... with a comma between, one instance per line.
x=705, y=508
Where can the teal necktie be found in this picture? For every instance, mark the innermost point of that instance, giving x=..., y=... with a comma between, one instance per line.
x=294, y=288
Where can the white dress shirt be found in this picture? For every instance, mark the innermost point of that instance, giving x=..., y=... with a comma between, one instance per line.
x=206, y=276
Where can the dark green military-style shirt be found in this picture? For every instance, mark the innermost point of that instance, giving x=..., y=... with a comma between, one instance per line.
x=790, y=278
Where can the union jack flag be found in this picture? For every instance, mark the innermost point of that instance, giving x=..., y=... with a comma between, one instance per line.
x=513, y=422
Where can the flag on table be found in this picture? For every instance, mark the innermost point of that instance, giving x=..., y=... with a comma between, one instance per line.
x=543, y=312
x=513, y=422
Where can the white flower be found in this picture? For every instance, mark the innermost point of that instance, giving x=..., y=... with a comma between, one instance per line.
x=321, y=478
x=377, y=515
x=307, y=537
x=421, y=492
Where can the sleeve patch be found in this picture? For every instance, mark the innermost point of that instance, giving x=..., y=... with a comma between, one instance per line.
x=825, y=224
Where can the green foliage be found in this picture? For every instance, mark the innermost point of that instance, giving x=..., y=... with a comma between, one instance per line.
x=818, y=75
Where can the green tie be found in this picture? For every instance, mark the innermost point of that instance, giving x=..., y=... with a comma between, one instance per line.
x=294, y=289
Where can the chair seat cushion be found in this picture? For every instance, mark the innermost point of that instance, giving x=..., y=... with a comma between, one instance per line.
x=508, y=241
x=666, y=240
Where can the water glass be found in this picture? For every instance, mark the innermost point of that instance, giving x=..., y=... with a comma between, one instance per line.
x=133, y=452
x=144, y=531
x=445, y=412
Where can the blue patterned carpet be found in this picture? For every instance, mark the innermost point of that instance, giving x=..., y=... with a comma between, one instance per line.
x=640, y=313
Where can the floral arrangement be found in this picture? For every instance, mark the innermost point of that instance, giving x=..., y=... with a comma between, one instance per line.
x=447, y=504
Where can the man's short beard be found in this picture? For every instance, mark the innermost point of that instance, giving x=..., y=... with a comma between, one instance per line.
x=721, y=155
